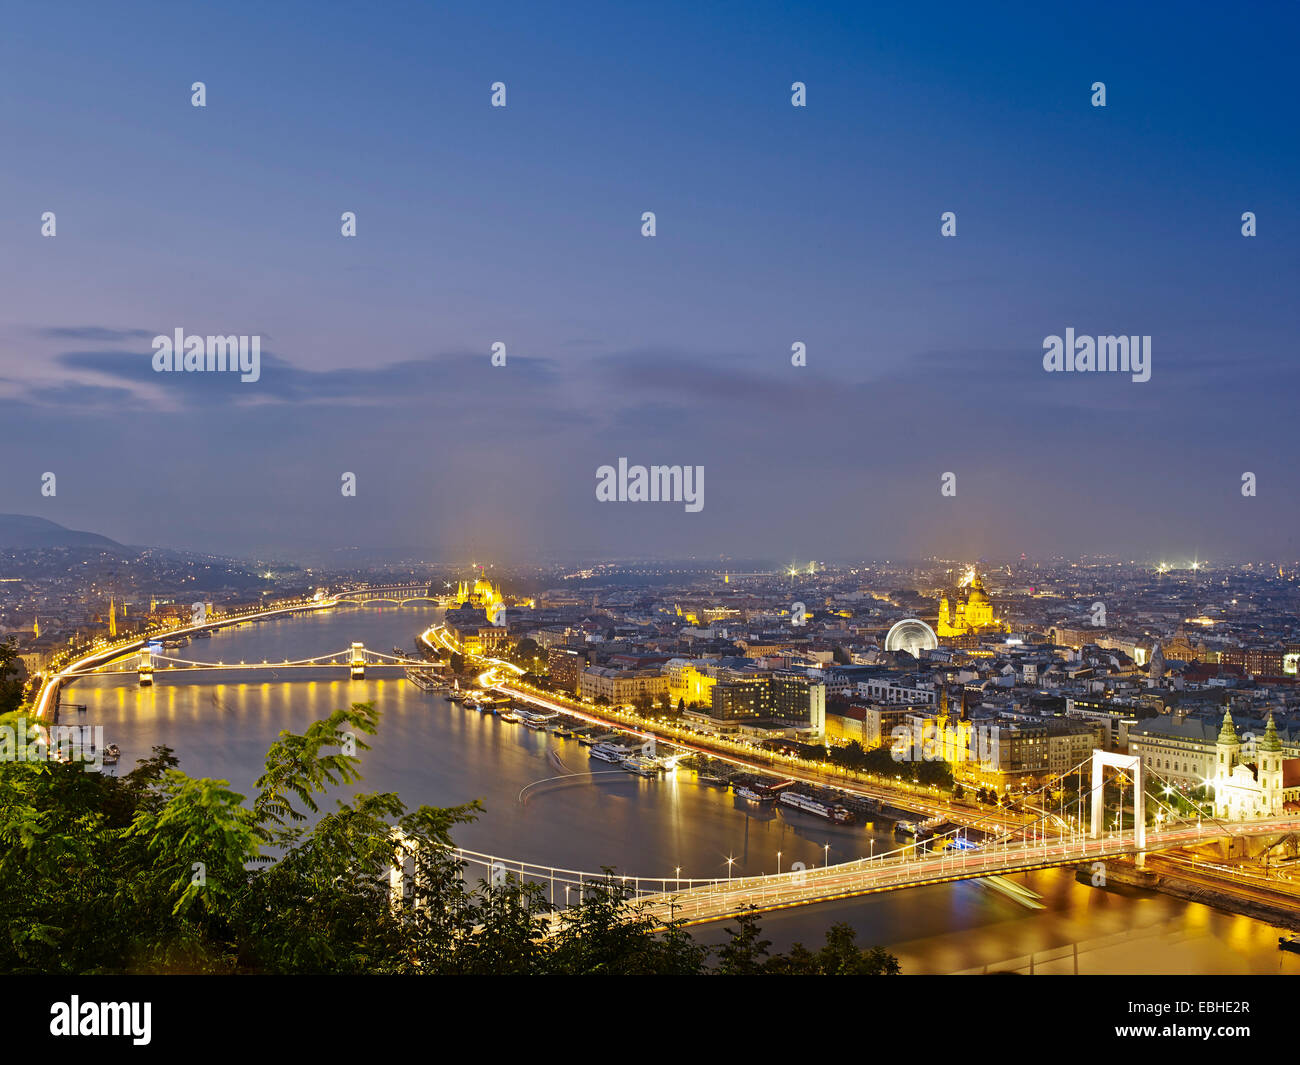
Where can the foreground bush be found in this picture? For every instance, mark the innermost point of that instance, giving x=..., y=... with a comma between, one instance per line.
x=157, y=871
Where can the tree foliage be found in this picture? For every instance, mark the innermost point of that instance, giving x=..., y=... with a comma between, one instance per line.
x=157, y=871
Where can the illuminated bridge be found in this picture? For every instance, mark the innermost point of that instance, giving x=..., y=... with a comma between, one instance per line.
x=107, y=654
x=146, y=663
x=670, y=898
x=400, y=594
x=1064, y=836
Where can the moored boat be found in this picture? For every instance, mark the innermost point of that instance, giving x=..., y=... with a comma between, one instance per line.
x=831, y=811
x=748, y=793
x=646, y=767
x=608, y=752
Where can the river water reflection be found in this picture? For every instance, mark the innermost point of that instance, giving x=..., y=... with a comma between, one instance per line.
x=588, y=814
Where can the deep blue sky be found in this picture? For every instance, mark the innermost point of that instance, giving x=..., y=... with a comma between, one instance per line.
x=775, y=224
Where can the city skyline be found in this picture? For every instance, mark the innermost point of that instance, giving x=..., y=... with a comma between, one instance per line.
x=776, y=225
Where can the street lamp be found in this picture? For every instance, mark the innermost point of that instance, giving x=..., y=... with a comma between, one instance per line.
x=730, y=863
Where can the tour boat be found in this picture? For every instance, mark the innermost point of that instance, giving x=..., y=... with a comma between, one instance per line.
x=421, y=680
x=832, y=812
x=646, y=767
x=607, y=752
x=744, y=792
x=111, y=754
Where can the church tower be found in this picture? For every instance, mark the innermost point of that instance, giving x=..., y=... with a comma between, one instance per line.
x=1269, y=752
x=945, y=618
x=960, y=730
x=1227, y=750
x=112, y=618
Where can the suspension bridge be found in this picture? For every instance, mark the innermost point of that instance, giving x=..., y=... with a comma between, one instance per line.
x=145, y=663
x=108, y=657
x=1049, y=837
x=669, y=898
x=1055, y=837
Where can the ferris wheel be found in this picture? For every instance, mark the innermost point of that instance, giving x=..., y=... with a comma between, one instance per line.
x=912, y=636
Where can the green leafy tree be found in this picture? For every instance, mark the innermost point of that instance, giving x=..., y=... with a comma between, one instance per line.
x=607, y=935
x=157, y=871
x=745, y=953
x=841, y=956
x=11, y=678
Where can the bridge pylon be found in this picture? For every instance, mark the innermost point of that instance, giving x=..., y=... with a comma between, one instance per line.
x=1100, y=760
x=358, y=663
x=144, y=671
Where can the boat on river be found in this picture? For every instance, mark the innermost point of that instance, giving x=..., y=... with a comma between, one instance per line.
x=750, y=795
x=646, y=767
x=841, y=815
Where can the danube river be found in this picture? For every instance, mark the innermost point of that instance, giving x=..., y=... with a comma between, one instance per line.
x=431, y=751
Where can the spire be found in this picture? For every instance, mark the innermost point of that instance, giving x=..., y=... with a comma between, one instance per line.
x=965, y=712
x=36, y=626
x=1270, y=742
x=1228, y=734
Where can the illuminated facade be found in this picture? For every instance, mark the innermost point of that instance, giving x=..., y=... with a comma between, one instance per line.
x=621, y=686
x=971, y=615
x=1245, y=790
x=686, y=682
x=483, y=595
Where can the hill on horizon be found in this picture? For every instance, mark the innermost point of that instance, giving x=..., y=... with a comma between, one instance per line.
x=23, y=531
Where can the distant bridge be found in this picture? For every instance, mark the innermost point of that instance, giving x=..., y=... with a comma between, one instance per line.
x=104, y=653
x=145, y=663
x=401, y=594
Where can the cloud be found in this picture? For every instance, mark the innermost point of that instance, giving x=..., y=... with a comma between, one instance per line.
x=447, y=382
x=81, y=396
x=97, y=333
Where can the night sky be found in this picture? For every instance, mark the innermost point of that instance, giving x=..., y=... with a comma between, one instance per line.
x=775, y=224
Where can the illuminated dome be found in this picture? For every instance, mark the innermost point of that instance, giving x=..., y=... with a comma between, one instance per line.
x=972, y=614
x=912, y=636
